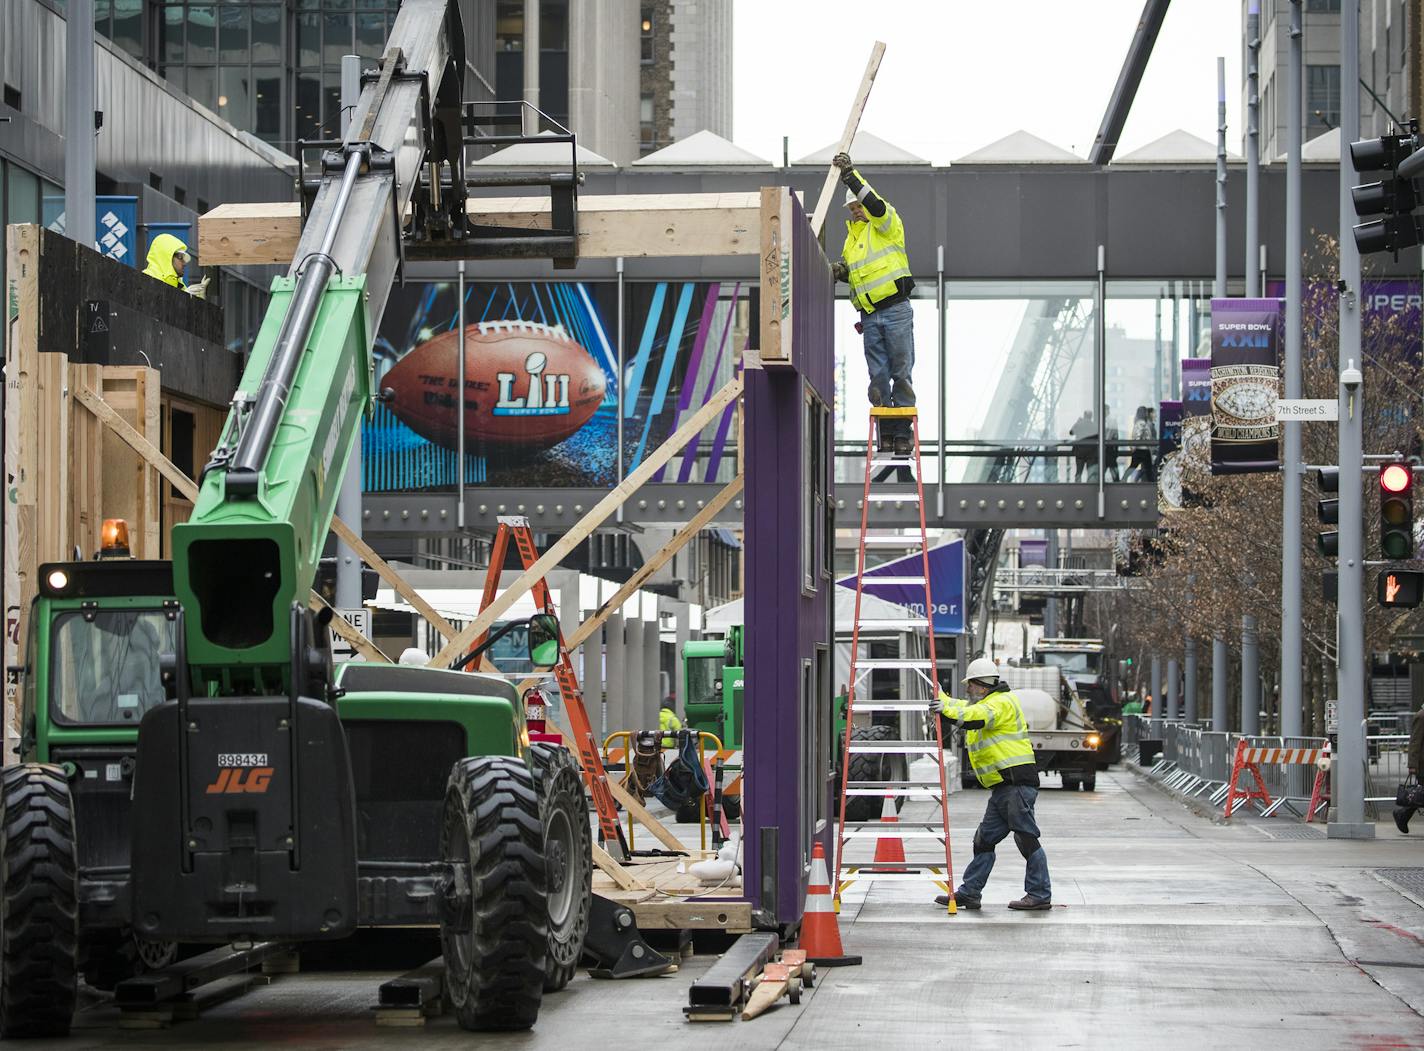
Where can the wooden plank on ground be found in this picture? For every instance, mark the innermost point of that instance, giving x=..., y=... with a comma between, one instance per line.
x=638, y=579
x=645, y=818
x=616, y=872
x=678, y=914
x=828, y=189
x=610, y=225
x=591, y=521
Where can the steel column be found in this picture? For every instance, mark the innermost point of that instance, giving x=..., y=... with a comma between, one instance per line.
x=1253, y=149
x=348, y=503
x=1348, y=783
x=943, y=359
x=1174, y=698
x=79, y=163
x=652, y=665
x=1218, y=685
x=1250, y=678
x=1219, y=285
x=531, y=66
x=1292, y=695
x=1189, y=682
x=1100, y=348
x=635, y=683
x=615, y=675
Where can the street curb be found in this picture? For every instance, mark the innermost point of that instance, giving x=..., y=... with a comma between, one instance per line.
x=1193, y=804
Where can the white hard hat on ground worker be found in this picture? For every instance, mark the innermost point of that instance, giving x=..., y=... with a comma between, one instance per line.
x=982, y=669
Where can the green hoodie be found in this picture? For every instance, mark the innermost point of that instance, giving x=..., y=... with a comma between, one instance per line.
x=160, y=259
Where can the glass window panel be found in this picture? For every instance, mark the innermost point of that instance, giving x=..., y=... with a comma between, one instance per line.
x=308, y=41
x=331, y=104
x=176, y=76
x=22, y=203
x=268, y=103
x=203, y=85
x=554, y=25
x=308, y=107
x=103, y=9
x=128, y=26
x=235, y=96
x=202, y=36
x=170, y=33
x=234, y=33
x=370, y=35
x=266, y=34
x=336, y=38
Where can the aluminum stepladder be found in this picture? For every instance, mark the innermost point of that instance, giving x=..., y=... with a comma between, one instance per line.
x=586, y=745
x=910, y=712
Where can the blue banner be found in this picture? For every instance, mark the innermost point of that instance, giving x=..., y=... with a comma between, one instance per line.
x=946, y=585
x=115, y=220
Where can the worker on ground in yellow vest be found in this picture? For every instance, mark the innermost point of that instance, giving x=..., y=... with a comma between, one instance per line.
x=168, y=257
x=997, y=740
x=874, y=262
x=668, y=722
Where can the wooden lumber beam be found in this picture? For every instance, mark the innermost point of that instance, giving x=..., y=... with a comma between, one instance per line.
x=591, y=521
x=387, y=573
x=645, y=818
x=610, y=225
x=616, y=872
x=828, y=189
x=185, y=485
x=638, y=579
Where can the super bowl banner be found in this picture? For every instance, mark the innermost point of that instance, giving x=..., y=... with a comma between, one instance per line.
x=543, y=401
x=1170, y=440
x=1245, y=383
x=947, y=578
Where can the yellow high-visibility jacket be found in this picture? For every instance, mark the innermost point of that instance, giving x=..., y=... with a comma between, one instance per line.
x=1002, y=741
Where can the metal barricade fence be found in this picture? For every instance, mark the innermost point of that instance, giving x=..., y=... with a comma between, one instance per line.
x=1386, y=765
x=1197, y=763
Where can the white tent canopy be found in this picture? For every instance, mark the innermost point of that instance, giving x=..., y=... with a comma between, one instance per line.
x=700, y=149
x=866, y=149
x=1021, y=147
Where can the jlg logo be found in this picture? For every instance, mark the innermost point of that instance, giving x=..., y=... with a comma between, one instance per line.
x=236, y=779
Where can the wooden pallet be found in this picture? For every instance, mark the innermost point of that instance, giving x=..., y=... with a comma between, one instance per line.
x=666, y=899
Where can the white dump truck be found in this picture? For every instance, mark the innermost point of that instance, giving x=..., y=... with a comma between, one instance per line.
x=1064, y=738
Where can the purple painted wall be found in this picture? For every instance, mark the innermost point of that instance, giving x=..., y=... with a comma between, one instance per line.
x=785, y=623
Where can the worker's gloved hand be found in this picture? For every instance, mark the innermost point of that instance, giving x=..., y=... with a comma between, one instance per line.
x=935, y=709
x=843, y=161
x=840, y=271
x=199, y=290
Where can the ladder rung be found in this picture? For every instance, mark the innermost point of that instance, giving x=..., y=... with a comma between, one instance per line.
x=872, y=705
x=888, y=786
x=895, y=461
x=894, y=747
x=898, y=411
x=891, y=832
x=868, y=580
x=899, y=821
x=891, y=541
x=896, y=498
x=892, y=662
x=912, y=793
x=894, y=622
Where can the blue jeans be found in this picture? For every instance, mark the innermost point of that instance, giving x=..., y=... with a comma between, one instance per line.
x=1010, y=809
x=890, y=359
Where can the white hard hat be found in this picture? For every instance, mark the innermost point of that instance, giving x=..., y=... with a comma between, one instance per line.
x=982, y=669
x=851, y=198
x=414, y=655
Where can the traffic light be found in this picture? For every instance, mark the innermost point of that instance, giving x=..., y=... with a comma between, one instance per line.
x=1400, y=588
x=1396, y=510
x=1393, y=199
x=1327, y=510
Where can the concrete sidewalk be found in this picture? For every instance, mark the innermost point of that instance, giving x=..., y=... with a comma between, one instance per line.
x=1168, y=931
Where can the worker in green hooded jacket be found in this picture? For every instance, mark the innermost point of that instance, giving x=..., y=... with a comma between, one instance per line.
x=168, y=257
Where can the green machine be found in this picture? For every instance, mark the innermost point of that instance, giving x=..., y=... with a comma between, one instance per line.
x=713, y=673
x=194, y=769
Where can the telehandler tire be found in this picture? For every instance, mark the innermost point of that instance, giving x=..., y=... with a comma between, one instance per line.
x=568, y=858
x=495, y=948
x=39, y=939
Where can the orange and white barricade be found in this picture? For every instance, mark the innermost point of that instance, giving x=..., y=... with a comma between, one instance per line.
x=1249, y=759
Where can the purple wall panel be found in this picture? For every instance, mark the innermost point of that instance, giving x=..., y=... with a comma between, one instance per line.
x=784, y=625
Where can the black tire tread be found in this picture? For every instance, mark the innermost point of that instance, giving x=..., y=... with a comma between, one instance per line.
x=39, y=954
x=509, y=935
x=557, y=777
x=871, y=767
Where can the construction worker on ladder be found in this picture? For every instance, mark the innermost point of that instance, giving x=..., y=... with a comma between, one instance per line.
x=875, y=263
x=996, y=738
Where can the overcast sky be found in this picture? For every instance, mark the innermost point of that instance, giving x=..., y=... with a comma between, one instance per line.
x=959, y=74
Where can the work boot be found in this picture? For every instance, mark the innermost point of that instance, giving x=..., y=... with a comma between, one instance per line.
x=1029, y=903
x=902, y=445
x=960, y=901
x=1402, y=814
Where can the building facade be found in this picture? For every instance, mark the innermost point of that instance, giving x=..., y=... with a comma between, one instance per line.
x=1389, y=67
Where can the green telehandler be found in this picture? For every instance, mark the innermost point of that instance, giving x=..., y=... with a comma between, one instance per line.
x=194, y=769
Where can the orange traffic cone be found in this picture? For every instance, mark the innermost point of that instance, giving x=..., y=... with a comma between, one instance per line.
x=889, y=850
x=820, y=935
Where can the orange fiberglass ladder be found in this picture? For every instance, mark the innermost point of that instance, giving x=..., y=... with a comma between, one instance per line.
x=908, y=714
x=586, y=746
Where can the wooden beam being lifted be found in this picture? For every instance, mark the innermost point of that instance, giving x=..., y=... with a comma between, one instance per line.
x=610, y=225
